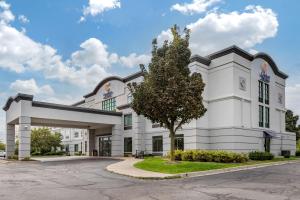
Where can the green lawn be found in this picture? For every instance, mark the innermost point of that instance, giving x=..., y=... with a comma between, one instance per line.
x=158, y=164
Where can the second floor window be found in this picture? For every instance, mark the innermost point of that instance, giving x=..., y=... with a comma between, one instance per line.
x=260, y=91
x=267, y=93
x=76, y=134
x=267, y=113
x=109, y=104
x=127, y=121
x=129, y=98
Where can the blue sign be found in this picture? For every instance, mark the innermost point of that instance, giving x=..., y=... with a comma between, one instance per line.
x=107, y=95
x=264, y=77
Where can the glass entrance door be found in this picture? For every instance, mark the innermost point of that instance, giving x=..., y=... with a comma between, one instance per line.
x=105, y=146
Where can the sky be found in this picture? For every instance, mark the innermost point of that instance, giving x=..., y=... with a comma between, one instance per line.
x=58, y=50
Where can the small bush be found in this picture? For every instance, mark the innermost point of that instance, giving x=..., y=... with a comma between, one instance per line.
x=26, y=159
x=53, y=153
x=187, y=155
x=178, y=154
x=297, y=153
x=259, y=155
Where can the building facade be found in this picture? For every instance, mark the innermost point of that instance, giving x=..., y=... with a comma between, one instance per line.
x=245, y=100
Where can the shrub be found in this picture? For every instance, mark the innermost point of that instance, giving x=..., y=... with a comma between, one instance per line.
x=297, y=153
x=187, y=155
x=53, y=153
x=259, y=155
x=178, y=154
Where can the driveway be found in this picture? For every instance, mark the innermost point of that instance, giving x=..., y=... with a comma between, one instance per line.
x=88, y=180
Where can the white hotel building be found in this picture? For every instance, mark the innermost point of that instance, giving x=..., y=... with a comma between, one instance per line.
x=244, y=96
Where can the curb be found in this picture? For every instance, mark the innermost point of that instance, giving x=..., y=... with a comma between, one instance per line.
x=235, y=169
x=207, y=172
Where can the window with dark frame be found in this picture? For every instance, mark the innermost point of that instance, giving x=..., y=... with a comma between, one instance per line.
x=127, y=121
x=179, y=142
x=267, y=117
x=85, y=146
x=267, y=95
x=75, y=147
x=261, y=116
x=260, y=91
x=157, y=144
x=109, y=104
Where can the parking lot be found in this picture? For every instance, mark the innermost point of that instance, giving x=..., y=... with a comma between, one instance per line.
x=88, y=180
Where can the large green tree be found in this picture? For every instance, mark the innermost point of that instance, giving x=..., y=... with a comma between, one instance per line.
x=291, y=122
x=170, y=95
x=43, y=140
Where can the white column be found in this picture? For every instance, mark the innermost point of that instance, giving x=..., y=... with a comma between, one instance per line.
x=24, y=137
x=10, y=140
x=138, y=130
x=117, y=140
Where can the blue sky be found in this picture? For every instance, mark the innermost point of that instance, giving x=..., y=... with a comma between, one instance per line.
x=59, y=50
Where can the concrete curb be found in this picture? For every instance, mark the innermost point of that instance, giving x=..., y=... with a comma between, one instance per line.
x=114, y=169
x=235, y=169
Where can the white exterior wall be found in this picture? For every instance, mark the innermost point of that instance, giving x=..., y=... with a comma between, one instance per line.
x=231, y=121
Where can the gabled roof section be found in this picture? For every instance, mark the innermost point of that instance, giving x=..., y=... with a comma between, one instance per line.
x=124, y=80
x=235, y=49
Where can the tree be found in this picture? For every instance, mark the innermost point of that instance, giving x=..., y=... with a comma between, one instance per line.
x=2, y=146
x=43, y=141
x=291, y=121
x=169, y=95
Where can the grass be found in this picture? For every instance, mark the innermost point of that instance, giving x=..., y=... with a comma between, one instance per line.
x=159, y=164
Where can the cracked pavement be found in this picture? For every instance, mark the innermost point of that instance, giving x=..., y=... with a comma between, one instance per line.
x=88, y=180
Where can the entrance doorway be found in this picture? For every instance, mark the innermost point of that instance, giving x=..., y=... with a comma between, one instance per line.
x=105, y=146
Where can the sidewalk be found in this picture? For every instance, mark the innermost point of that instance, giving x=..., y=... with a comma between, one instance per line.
x=126, y=167
x=69, y=158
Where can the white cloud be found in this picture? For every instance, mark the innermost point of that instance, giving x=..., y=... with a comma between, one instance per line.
x=97, y=7
x=6, y=15
x=293, y=98
x=196, y=6
x=23, y=19
x=134, y=60
x=30, y=87
x=219, y=30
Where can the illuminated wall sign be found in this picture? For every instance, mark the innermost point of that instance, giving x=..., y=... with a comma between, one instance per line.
x=108, y=93
x=263, y=74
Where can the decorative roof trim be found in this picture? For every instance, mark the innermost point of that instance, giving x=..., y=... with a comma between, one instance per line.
x=17, y=98
x=235, y=49
x=124, y=80
x=73, y=108
x=200, y=59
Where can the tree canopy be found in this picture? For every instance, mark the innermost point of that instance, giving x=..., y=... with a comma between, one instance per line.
x=291, y=123
x=170, y=94
x=43, y=141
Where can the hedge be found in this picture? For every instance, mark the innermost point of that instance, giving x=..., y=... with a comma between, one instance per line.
x=211, y=156
x=259, y=155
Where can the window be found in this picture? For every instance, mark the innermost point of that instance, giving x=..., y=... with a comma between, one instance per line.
x=156, y=125
x=76, y=134
x=157, y=144
x=85, y=146
x=260, y=91
x=127, y=145
x=129, y=98
x=267, y=93
x=127, y=121
x=75, y=147
x=179, y=142
x=261, y=116
x=109, y=104
x=267, y=114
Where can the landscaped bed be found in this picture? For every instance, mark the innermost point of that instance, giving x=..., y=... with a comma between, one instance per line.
x=162, y=165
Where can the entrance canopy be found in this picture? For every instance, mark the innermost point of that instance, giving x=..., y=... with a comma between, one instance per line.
x=57, y=115
x=23, y=111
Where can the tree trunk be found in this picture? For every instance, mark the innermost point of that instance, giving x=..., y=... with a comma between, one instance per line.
x=172, y=145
